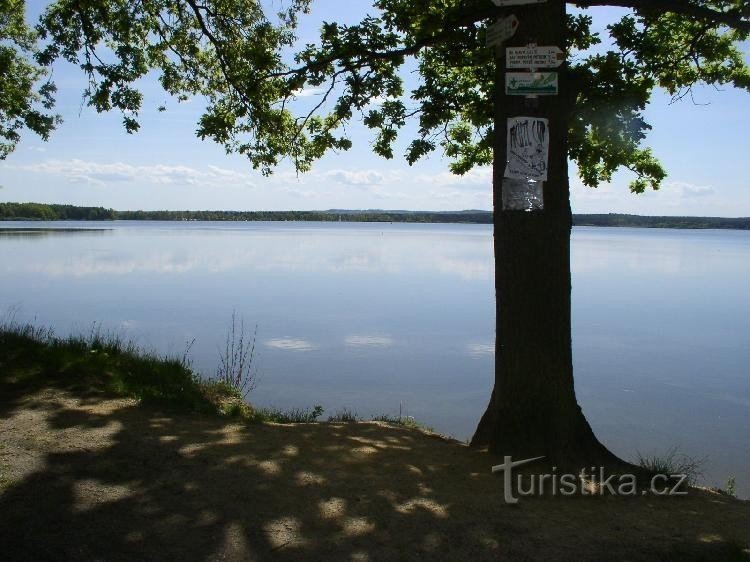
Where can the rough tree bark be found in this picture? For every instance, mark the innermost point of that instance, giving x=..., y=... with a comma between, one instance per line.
x=533, y=409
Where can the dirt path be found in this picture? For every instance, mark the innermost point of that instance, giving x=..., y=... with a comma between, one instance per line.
x=87, y=477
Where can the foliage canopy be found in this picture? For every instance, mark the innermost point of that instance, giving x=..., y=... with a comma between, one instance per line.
x=22, y=105
x=244, y=59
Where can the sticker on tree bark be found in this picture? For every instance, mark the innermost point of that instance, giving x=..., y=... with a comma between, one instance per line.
x=522, y=195
x=528, y=148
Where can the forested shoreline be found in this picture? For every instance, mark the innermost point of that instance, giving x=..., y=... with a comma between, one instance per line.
x=51, y=212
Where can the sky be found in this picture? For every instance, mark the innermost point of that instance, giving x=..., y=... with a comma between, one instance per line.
x=90, y=160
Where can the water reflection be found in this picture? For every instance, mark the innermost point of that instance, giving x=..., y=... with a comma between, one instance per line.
x=40, y=232
x=310, y=251
x=479, y=350
x=373, y=316
x=368, y=341
x=291, y=344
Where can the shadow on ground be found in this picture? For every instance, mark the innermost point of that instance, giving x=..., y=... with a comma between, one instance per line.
x=85, y=477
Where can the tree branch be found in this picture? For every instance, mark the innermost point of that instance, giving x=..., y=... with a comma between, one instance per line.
x=736, y=19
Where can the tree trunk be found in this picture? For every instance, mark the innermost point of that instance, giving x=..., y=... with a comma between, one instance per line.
x=533, y=409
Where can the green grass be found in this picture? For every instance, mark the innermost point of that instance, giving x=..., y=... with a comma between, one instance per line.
x=729, y=489
x=672, y=463
x=32, y=357
x=344, y=415
x=404, y=421
x=292, y=415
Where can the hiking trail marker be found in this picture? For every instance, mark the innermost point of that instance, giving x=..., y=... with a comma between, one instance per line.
x=502, y=30
x=533, y=56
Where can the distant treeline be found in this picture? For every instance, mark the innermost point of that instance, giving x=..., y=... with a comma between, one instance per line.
x=482, y=217
x=39, y=211
x=662, y=222
x=44, y=212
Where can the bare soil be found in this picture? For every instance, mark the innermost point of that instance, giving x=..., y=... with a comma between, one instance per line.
x=84, y=476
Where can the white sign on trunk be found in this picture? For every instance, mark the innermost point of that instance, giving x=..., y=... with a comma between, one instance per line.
x=503, y=3
x=533, y=57
x=502, y=30
x=528, y=148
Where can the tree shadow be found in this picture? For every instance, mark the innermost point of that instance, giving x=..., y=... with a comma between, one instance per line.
x=113, y=480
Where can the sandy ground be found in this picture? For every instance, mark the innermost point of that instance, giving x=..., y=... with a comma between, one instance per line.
x=87, y=477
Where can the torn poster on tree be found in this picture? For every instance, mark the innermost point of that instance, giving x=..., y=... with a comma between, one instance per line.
x=528, y=148
x=523, y=195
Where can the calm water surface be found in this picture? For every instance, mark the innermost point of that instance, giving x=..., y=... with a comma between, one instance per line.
x=382, y=317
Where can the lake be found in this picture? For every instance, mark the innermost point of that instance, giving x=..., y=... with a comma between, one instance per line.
x=382, y=318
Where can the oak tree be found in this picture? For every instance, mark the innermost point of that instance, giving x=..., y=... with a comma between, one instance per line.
x=244, y=59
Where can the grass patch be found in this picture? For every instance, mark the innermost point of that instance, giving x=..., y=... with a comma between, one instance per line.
x=344, y=415
x=673, y=463
x=729, y=489
x=403, y=421
x=292, y=415
x=32, y=357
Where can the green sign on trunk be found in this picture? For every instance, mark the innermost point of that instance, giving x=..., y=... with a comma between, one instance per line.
x=531, y=83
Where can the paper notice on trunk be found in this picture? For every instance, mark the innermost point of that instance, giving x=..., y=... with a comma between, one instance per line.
x=528, y=148
x=523, y=195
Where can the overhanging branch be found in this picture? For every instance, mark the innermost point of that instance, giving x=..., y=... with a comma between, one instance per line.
x=736, y=19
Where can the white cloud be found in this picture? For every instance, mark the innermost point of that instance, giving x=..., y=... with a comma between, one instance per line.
x=405, y=183
x=230, y=176
x=355, y=177
x=676, y=197
x=477, y=177
x=96, y=173
x=307, y=92
x=688, y=190
x=380, y=100
x=339, y=187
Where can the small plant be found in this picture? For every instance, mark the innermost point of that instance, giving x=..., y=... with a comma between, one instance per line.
x=9, y=324
x=237, y=359
x=234, y=410
x=731, y=487
x=293, y=415
x=387, y=419
x=106, y=342
x=403, y=421
x=344, y=415
x=185, y=360
x=673, y=463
